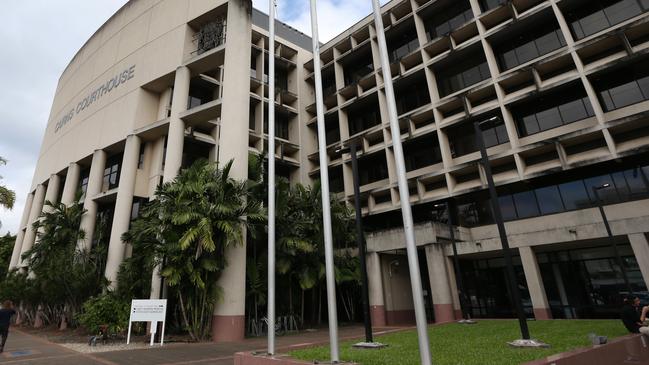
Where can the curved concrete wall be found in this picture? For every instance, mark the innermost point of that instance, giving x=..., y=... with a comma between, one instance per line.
x=99, y=99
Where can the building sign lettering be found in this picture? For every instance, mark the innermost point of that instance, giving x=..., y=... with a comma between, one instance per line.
x=95, y=95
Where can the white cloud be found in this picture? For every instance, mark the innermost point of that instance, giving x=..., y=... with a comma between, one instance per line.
x=334, y=16
x=39, y=38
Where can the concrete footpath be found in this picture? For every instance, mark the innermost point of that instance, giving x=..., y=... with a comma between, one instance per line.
x=23, y=348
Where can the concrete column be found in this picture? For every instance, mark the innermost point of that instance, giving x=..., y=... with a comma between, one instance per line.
x=439, y=284
x=155, y=171
x=228, y=321
x=164, y=103
x=640, y=247
x=535, y=284
x=95, y=180
x=375, y=281
x=35, y=211
x=71, y=185
x=176, y=134
x=452, y=283
x=123, y=206
x=15, y=255
x=52, y=193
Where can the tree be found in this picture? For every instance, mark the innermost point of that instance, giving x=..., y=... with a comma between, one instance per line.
x=6, y=249
x=188, y=228
x=7, y=197
x=299, y=244
x=64, y=276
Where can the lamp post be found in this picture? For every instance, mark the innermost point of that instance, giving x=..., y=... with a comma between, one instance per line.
x=509, y=266
x=360, y=240
x=610, y=235
x=466, y=318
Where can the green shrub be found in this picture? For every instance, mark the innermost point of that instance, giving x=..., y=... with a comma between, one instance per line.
x=105, y=309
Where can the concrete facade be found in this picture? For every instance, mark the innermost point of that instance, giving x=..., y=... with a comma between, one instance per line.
x=146, y=92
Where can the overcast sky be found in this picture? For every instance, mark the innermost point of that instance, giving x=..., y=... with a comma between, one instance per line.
x=38, y=39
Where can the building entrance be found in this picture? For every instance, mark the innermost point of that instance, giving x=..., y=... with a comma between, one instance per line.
x=587, y=282
x=485, y=282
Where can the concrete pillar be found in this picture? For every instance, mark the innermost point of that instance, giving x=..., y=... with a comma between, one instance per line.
x=228, y=322
x=15, y=255
x=452, y=283
x=52, y=192
x=35, y=211
x=375, y=281
x=123, y=206
x=164, y=104
x=95, y=180
x=535, y=284
x=176, y=134
x=155, y=171
x=439, y=284
x=71, y=185
x=640, y=247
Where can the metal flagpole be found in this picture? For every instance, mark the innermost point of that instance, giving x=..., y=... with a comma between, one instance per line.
x=271, y=178
x=324, y=184
x=404, y=195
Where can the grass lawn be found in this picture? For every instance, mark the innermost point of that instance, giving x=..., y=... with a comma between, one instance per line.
x=480, y=344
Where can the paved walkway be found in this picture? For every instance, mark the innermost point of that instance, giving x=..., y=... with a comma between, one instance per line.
x=23, y=348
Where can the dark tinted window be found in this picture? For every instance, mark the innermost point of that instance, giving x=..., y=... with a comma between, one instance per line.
x=622, y=87
x=526, y=204
x=463, y=73
x=574, y=195
x=446, y=20
x=372, y=168
x=507, y=207
x=549, y=200
x=560, y=107
x=528, y=45
x=589, y=17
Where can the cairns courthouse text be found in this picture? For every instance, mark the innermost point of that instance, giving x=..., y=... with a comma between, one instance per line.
x=105, y=88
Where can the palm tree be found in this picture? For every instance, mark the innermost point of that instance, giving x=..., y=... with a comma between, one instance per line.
x=7, y=197
x=194, y=219
x=64, y=275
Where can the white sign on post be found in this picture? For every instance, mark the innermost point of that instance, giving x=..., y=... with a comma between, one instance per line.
x=148, y=310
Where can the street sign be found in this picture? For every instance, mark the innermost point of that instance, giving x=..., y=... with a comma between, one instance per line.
x=148, y=310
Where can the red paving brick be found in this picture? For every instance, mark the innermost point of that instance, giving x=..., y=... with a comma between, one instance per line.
x=23, y=348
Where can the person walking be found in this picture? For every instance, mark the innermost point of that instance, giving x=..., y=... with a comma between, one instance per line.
x=5, y=319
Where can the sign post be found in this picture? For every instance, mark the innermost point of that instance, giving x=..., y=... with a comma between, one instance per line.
x=148, y=310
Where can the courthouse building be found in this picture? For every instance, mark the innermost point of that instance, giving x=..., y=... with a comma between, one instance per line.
x=165, y=82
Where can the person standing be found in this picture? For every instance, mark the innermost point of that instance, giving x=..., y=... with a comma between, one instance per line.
x=5, y=319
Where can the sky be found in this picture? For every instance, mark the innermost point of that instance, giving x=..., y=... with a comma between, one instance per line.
x=39, y=38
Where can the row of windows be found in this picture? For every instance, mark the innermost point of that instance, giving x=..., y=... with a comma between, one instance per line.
x=471, y=70
x=402, y=46
x=362, y=119
x=548, y=112
x=626, y=86
x=593, y=16
x=625, y=185
x=444, y=22
x=617, y=88
x=530, y=46
x=372, y=168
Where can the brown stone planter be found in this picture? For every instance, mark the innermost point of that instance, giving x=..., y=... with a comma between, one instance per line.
x=631, y=349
